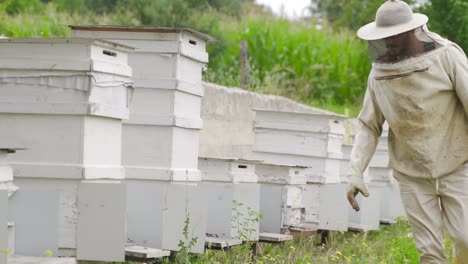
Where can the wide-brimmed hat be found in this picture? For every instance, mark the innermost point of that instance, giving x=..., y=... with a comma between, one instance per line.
x=392, y=18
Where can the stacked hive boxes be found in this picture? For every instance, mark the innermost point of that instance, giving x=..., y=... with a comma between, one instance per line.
x=160, y=140
x=233, y=198
x=229, y=130
x=63, y=100
x=313, y=141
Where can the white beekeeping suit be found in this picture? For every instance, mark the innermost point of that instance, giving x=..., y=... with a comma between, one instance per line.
x=419, y=85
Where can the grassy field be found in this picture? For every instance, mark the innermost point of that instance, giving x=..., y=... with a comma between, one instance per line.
x=390, y=245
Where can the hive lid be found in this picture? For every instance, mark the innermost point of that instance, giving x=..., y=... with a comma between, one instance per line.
x=315, y=112
x=141, y=29
x=88, y=41
x=231, y=159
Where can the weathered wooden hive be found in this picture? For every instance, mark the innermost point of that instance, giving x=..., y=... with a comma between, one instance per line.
x=312, y=140
x=64, y=100
x=281, y=199
x=160, y=140
x=233, y=198
x=229, y=132
x=7, y=189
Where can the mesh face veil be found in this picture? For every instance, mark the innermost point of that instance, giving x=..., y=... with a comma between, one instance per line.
x=402, y=46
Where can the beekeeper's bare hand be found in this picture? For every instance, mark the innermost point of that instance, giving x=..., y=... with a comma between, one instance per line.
x=356, y=185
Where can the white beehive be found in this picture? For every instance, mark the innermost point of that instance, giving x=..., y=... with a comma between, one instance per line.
x=157, y=211
x=7, y=189
x=160, y=139
x=233, y=198
x=368, y=217
x=310, y=140
x=391, y=206
x=281, y=197
x=63, y=100
x=333, y=207
x=168, y=64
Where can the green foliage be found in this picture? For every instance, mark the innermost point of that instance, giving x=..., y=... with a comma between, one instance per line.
x=18, y=6
x=244, y=220
x=351, y=14
x=295, y=60
x=449, y=18
x=186, y=245
x=446, y=17
x=390, y=244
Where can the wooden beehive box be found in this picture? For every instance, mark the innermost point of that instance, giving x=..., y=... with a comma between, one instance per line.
x=64, y=100
x=281, y=197
x=7, y=189
x=233, y=197
x=160, y=139
x=310, y=134
x=168, y=64
x=310, y=140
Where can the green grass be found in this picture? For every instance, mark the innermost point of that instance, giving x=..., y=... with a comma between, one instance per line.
x=390, y=244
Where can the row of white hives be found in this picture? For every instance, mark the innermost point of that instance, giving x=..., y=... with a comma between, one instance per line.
x=299, y=156
x=121, y=143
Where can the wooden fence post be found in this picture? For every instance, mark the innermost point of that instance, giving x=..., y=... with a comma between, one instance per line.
x=244, y=65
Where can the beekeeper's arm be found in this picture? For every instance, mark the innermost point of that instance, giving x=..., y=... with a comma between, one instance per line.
x=370, y=128
x=458, y=73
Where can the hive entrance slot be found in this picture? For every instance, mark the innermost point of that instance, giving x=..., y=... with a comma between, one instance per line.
x=109, y=53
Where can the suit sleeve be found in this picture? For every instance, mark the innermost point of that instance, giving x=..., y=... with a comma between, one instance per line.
x=370, y=121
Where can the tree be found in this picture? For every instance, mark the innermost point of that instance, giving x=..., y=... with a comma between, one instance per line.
x=448, y=18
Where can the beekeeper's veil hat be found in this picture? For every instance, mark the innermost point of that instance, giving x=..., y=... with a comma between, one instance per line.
x=392, y=18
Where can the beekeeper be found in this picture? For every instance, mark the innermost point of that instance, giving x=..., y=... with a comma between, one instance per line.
x=419, y=85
